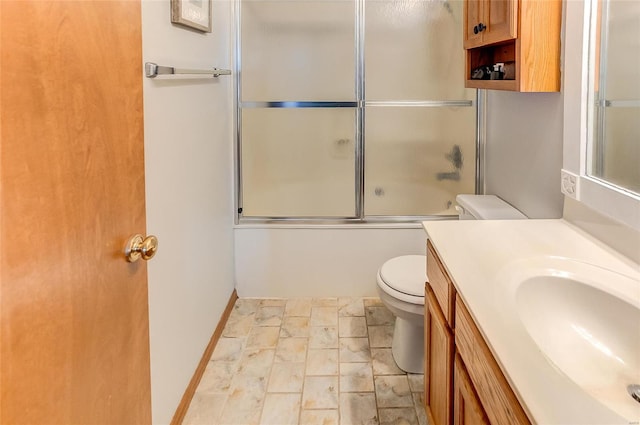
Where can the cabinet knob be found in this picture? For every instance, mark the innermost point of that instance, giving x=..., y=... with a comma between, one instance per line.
x=481, y=27
x=475, y=29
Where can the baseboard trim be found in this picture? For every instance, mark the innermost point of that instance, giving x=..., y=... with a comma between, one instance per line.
x=181, y=411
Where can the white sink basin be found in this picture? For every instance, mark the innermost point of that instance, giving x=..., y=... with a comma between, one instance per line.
x=586, y=321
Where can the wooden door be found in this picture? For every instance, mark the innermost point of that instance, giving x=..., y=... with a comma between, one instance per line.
x=74, y=338
x=467, y=409
x=438, y=358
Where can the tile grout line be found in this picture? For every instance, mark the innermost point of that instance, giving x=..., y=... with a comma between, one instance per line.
x=306, y=359
x=373, y=376
x=339, y=395
x=236, y=366
x=273, y=361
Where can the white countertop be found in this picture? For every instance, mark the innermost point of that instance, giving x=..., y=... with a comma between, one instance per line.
x=475, y=254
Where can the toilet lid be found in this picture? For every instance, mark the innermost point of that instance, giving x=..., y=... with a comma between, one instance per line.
x=406, y=274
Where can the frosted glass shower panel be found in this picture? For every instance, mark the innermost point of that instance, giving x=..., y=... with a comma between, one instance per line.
x=413, y=50
x=418, y=159
x=298, y=50
x=298, y=162
x=621, y=157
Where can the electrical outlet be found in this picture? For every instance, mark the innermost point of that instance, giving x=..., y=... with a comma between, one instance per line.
x=569, y=184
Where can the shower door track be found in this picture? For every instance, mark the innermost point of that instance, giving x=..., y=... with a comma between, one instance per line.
x=360, y=104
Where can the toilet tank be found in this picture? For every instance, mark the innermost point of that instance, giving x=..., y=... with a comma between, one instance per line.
x=485, y=207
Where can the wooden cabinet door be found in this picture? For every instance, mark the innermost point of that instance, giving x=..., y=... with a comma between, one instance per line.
x=438, y=357
x=500, y=402
x=467, y=409
x=501, y=19
x=472, y=16
x=74, y=328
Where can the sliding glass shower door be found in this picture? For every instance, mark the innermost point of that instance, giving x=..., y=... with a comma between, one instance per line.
x=352, y=109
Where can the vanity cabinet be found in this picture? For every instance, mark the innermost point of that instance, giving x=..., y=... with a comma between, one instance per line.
x=463, y=382
x=522, y=34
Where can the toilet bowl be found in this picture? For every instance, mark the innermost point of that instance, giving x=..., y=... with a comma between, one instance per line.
x=401, y=283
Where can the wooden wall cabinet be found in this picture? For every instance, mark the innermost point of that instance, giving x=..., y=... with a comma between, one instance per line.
x=463, y=382
x=525, y=33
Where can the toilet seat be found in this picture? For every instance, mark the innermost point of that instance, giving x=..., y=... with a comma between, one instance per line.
x=404, y=277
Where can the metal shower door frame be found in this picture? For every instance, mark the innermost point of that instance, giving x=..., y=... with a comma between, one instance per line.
x=359, y=104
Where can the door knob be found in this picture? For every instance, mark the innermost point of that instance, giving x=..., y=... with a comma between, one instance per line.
x=138, y=247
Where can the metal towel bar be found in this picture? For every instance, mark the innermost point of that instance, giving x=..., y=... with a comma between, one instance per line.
x=619, y=103
x=152, y=70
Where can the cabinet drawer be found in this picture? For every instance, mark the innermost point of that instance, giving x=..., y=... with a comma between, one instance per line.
x=440, y=283
x=494, y=392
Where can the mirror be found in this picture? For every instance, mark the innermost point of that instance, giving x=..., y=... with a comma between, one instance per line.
x=613, y=153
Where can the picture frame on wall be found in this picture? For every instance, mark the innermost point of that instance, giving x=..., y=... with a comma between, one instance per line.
x=194, y=14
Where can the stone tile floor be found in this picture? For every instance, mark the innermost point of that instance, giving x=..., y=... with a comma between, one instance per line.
x=323, y=361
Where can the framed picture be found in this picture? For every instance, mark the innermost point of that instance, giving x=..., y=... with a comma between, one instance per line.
x=194, y=14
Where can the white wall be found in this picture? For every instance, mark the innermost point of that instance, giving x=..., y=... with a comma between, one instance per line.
x=524, y=151
x=189, y=181
x=318, y=261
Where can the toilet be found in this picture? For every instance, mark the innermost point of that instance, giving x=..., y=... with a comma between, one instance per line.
x=401, y=283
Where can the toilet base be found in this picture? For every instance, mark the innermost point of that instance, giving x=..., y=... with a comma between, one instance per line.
x=407, y=346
